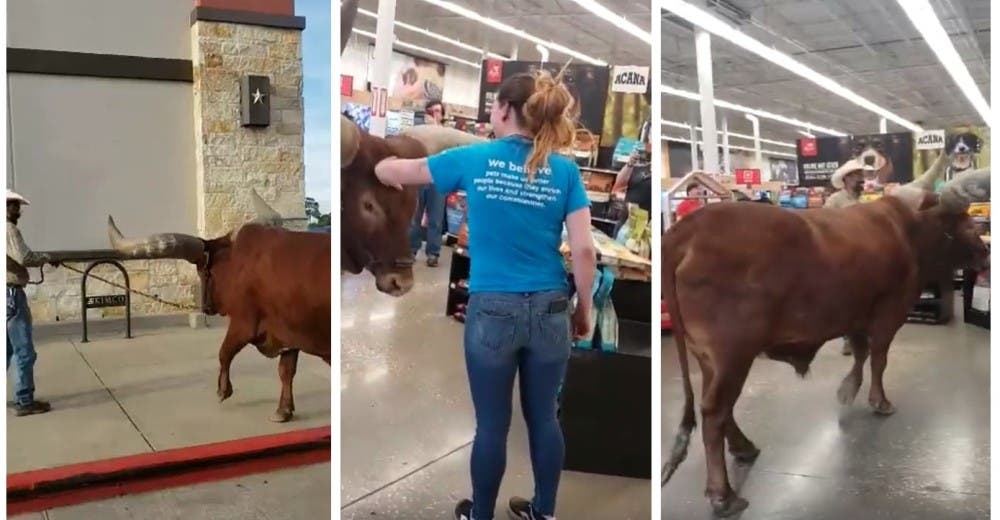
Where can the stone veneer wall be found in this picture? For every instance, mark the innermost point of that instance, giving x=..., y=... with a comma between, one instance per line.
x=230, y=161
x=233, y=159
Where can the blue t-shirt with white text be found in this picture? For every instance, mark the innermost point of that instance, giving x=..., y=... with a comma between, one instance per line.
x=515, y=226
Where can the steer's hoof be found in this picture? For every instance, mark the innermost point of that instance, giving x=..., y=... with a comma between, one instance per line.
x=729, y=506
x=883, y=407
x=847, y=391
x=746, y=454
x=225, y=393
x=281, y=416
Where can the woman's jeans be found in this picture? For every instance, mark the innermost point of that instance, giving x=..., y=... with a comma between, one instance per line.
x=20, y=345
x=508, y=333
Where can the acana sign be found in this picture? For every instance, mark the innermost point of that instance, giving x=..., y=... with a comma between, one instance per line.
x=631, y=78
x=930, y=139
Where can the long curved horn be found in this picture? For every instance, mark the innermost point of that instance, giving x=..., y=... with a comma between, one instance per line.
x=265, y=214
x=933, y=174
x=966, y=188
x=350, y=141
x=348, y=12
x=162, y=245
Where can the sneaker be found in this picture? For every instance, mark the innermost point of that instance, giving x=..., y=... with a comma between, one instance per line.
x=521, y=509
x=432, y=260
x=463, y=511
x=32, y=408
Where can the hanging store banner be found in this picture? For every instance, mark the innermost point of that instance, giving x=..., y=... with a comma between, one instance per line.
x=889, y=155
x=587, y=83
x=413, y=80
x=930, y=140
x=629, y=79
x=784, y=171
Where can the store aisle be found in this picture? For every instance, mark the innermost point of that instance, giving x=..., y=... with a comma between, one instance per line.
x=826, y=462
x=407, y=420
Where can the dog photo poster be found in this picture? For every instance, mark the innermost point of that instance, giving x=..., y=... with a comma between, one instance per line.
x=968, y=148
x=889, y=158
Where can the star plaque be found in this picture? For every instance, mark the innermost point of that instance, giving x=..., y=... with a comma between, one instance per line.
x=255, y=101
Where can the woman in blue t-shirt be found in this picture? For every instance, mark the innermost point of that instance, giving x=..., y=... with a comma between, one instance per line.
x=520, y=194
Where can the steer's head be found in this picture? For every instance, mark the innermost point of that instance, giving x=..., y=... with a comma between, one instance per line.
x=374, y=219
x=950, y=238
x=213, y=258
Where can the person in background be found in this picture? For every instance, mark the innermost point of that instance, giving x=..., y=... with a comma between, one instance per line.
x=518, y=319
x=20, y=344
x=429, y=201
x=849, y=179
x=689, y=206
x=635, y=182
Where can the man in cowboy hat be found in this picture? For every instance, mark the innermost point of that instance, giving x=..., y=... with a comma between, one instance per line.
x=19, y=341
x=850, y=180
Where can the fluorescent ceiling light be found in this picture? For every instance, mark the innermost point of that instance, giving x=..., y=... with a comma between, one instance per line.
x=806, y=133
x=500, y=26
x=425, y=50
x=665, y=89
x=927, y=23
x=616, y=19
x=437, y=36
x=734, y=147
x=723, y=30
x=676, y=124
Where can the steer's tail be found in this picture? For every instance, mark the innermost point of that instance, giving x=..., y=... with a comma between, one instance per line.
x=673, y=254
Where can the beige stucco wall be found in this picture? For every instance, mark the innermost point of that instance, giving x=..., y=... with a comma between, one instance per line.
x=153, y=28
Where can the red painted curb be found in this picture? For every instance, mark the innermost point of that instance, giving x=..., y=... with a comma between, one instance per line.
x=42, y=489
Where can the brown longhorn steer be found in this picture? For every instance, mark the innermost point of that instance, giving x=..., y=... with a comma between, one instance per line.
x=273, y=284
x=375, y=219
x=741, y=280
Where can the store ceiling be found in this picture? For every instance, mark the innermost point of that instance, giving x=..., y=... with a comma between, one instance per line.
x=869, y=47
x=561, y=21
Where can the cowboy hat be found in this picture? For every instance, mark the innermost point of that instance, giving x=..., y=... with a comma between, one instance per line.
x=17, y=197
x=850, y=166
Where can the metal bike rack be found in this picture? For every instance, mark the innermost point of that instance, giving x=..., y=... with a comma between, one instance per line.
x=108, y=300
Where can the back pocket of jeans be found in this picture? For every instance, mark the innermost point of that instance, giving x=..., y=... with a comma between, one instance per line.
x=492, y=330
x=554, y=327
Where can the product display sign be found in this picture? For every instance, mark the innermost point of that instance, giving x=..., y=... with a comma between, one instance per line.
x=747, y=175
x=587, y=83
x=889, y=155
x=968, y=148
x=784, y=171
x=630, y=79
x=930, y=140
x=346, y=85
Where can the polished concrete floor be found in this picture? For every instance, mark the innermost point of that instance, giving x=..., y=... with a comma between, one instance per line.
x=294, y=494
x=407, y=422
x=822, y=461
x=150, y=393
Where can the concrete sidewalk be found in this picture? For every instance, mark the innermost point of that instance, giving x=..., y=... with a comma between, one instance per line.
x=293, y=494
x=113, y=397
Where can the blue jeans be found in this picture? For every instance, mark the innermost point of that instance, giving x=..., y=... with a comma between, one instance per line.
x=431, y=200
x=20, y=345
x=507, y=333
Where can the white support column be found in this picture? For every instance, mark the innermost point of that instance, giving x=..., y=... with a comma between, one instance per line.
x=710, y=148
x=756, y=139
x=882, y=125
x=727, y=163
x=694, y=146
x=513, y=53
x=384, y=38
